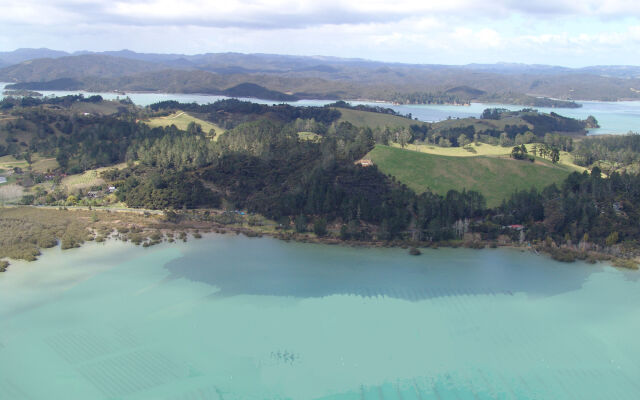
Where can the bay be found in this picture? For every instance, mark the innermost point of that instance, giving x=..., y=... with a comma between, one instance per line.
x=229, y=317
x=613, y=117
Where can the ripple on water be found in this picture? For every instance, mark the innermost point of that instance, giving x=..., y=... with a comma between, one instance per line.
x=230, y=317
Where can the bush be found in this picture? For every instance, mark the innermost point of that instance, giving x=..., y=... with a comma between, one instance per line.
x=69, y=241
x=624, y=263
x=155, y=236
x=563, y=255
x=27, y=199
x=254, y=220
x=612, y=239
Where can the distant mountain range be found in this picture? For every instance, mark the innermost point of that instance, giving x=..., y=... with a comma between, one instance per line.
x=286, y=77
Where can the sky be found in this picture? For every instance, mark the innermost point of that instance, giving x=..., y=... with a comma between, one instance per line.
x=557, y=32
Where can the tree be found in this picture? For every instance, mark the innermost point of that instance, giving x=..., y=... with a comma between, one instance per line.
x=504, y=140
x=194, y=128
x=404, y=136
x=444, y=142
x=344, y=232
x=301, y=223
x=320, y=227
x=592, y=122
x=517, y=153
x=463, y=140
x=612, y=239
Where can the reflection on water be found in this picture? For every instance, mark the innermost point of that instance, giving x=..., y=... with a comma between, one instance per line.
x=303, y=270
x=229, y=317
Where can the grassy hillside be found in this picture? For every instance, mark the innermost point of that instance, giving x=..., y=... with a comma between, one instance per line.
x=372, y=120
x=181, y=120
x=496, y=178
x=40, y=164
x=484, y=149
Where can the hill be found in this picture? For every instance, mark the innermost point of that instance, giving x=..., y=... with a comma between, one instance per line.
x=17, y=56
x=525, y=124
x=374, y=119
x=328, y=77
x=257, y=91
x=75, y=67
x=156, y=79
x=496, y=178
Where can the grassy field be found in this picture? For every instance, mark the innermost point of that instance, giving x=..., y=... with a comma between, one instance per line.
x=10, y=192
x=372, y=120
x=483, y=149
x=496, y=178
x=9, y=162
x=40, y=164
x=82, y=181
x=181, y=120
x=310, y=136
x=87, y=179
x=45, y=164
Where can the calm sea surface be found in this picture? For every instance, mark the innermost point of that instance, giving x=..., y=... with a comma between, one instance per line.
x=228, y=317
x=614, y=117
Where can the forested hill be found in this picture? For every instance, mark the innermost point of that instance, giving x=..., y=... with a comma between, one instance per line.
x=325, y=77
x=300, y=166
x=75, y=67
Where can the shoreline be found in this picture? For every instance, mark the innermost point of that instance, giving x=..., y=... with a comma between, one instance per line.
x=149, y=227
x=375, y=101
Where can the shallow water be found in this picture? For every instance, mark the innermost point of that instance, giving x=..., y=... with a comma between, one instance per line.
x=613, y=117
x=228, y=317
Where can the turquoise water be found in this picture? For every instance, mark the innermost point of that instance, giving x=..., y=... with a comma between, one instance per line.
x=228, y=317
x=613, y=117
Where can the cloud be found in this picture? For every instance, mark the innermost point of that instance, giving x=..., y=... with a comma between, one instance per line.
x=297, y=14
x=433, y=31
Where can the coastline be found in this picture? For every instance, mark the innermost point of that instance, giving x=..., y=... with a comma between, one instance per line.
x=149, y=227
x=119, y=92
